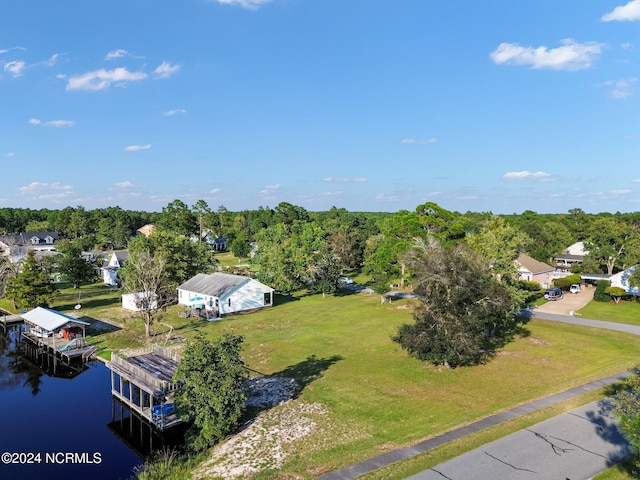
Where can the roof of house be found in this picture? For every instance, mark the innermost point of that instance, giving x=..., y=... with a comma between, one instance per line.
x=566, y=256
x=533, y=265
x=49, y=320
x=216, y=284
x=24, y=238
x=147, y=229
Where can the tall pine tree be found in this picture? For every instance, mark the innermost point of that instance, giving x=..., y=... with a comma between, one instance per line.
x=31, y=287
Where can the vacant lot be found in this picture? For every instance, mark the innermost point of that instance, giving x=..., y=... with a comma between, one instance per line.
x=361, y=394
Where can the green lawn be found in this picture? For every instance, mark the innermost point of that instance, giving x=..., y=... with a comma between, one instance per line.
x=340, y=350
x=623, y=312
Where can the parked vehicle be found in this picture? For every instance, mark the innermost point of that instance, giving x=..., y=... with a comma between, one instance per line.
x=553, y=294
x=575, y=288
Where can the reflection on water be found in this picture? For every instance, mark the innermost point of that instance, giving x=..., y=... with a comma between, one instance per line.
x=50, y=409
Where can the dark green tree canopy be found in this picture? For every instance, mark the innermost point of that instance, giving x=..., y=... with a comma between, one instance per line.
x=465, y=312
x=215, y=388
x=31, y=287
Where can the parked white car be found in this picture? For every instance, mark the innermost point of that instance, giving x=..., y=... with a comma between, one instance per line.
x=575, y=288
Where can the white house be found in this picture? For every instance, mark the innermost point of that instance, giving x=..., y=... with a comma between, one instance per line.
x=621, y=279
x=139, y=301
x=110, y=268
x=222, y=293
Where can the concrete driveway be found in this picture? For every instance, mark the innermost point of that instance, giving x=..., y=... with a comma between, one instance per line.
x=571, y=302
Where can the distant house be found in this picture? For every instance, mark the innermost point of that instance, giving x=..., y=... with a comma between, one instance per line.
x=137, y=302
x=146, y=230
x=574, y=253
x=222, y=293
x=621, y=279
x=110, y=268
x=16, y=246
x=534, y=271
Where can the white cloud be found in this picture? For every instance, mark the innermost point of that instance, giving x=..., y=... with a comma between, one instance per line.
x=52, y=123
x=249, y=4
x=525, y=175
x=621, y=191
x=334, y=193
x=629, y=12
x=345, y=179
x=411, y=141
x=52, y=60
x=59, y=123
x=135, y=148
x=387, y=198
x=175, y=111
x=621, y=88
x=570, y=56
x=125, y=184
x=215, y=190
x=118, y=53
x=165, y=70
x=15, y=67
x=269, y=189
x=101, y=79
x=37, y=188
x=10, y=154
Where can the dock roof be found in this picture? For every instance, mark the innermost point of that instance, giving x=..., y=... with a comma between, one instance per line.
x=50, y=320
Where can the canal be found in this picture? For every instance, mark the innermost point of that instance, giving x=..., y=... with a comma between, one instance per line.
x=64, y=426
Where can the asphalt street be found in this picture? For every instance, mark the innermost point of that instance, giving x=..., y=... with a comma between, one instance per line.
x=574, y=446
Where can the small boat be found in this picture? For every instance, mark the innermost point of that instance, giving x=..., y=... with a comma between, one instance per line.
x=166, y=409
x=40, y=332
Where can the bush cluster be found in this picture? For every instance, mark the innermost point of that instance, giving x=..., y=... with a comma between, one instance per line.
x=566, y=282
x=599, y=295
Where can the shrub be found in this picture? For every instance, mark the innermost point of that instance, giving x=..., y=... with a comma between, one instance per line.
x=600, y=295
x=529, y=285
x=566, y=282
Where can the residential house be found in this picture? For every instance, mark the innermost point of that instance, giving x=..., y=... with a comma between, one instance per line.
x=110, y=267
x=222, y=293
x=621, y=279
x=140, y=301
x=574, y=253
x=146, y=230
x=16, y=246
x=534, y=271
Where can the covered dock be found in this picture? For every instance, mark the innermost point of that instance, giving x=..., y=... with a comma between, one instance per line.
x=57, y=334
x=144, y=384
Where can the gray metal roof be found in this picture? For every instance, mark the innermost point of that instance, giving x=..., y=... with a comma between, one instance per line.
x=215, y=284
x=50, y=320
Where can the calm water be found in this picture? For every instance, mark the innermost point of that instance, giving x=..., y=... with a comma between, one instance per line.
x=67, y=421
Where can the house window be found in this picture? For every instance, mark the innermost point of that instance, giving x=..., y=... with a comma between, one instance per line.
x=35, y=240
x=49, y=240
x=229, y=301
x=267, y=298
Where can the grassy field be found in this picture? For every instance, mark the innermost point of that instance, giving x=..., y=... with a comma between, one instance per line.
x=339, y=349
x=623, y=312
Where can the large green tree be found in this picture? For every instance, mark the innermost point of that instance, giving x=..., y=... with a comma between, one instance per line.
x=215, y=388
x=626, y=406
x=613, y=243
x=31, y=287
x=72, y=265
x=464, y=313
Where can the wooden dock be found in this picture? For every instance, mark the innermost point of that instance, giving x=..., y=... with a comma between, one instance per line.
x=67, y=350
x=10, y=320
x=143, y=383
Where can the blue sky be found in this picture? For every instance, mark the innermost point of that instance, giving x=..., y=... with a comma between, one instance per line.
x=370, y=105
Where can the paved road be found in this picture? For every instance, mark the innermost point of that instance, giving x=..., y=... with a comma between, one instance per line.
x=574, y=446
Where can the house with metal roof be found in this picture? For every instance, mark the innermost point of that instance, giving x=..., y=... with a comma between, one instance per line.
x=63, y=336
x=531, y=269
x=221, y=294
